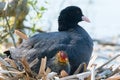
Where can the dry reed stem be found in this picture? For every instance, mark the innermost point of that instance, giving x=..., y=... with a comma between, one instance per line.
x=11, y=62
x=21, y=35
x=93, y=73
x=42, y=69
x=77, y=76
x=92, y=61
x=80, y=67
x=33, y=62
x=26, y=67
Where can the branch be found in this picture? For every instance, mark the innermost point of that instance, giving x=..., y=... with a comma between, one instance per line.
x=10, y=32
x=108, y=62
x=80, y=76
x=37, y=30
x=10, y=9
x=16, y=10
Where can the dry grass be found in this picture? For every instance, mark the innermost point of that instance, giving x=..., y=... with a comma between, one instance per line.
x=9, y=71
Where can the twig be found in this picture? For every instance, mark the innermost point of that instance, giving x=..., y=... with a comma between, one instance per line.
x=21, y=35
x=26, y=67
x=4, y=62
x=33, y=62
x=116, y=70
x=92, y=61
x=11, y=62
x=43, y=65
x=48, y=70
x=83, y=65
x=93, y=73
x=114, y=77
x=108, y=61
x=6, y=65
x=10, y=31
x=6, y=5
x=77, y=76
x=42, y=69
x=38, y=30
x=78, y=69
x=6, y=72
x=4, y=35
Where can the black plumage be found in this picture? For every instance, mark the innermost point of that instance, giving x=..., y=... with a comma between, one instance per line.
x=71, y=38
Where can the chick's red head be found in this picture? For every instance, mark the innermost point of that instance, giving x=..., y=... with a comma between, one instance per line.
x=62, y=57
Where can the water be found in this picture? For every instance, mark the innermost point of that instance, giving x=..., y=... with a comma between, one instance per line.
x=104, y=16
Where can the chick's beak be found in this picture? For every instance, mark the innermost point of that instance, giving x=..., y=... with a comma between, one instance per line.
x=63, y=60
x=84, y=18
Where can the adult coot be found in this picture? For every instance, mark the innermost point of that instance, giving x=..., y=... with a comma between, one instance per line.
x=71, y=38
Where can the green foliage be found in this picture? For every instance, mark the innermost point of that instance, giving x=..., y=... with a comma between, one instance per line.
x=33, y=28
x=38, y=11
x=34, y=16
x=42, y=8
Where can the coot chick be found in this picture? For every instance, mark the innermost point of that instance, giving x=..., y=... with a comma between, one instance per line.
x=71, y=38
x=59, y=62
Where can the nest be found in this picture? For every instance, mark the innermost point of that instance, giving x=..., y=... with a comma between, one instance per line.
x=9, y=71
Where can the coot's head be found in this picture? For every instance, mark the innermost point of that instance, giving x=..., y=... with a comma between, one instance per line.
x=62, y=57
x=70, y=16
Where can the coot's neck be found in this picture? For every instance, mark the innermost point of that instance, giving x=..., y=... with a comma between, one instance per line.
x=66, y=26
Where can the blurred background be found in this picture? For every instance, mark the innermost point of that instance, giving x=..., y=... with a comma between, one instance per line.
x=33, y=16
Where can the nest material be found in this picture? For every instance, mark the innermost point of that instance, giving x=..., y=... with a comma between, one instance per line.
x=9, y=71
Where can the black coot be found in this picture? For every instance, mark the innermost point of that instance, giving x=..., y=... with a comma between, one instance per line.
x=71, y=38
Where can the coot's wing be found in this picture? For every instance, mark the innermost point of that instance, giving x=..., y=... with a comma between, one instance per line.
x=40, y=45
